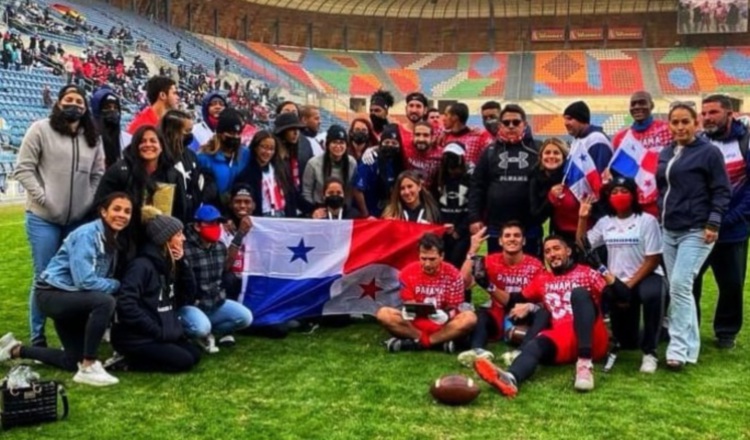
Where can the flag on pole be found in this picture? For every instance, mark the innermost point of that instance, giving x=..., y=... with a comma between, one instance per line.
x=298, y=268
x=581, y=175
x=634, y=161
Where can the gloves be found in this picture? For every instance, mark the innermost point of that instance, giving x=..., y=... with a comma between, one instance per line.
x=406, y=315
x=370, y=156
x=479, y=270
x=439, y=317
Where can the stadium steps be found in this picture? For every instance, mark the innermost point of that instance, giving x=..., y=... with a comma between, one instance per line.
x=649, y=73
x=377, y=69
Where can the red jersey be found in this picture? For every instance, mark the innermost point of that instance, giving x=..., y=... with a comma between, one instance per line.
x=554, y=290
x=146, y=117
x=474, y=139
x=445, y=288
x=424, y=162
x=511, y=278
x=564, y=211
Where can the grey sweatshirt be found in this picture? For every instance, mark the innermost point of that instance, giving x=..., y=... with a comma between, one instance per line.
x=59, y=172
x=313, y=179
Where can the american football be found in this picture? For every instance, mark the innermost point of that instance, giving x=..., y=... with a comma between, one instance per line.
x=455, y=389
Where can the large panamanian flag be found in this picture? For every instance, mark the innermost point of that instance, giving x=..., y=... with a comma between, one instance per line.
x=301, y=268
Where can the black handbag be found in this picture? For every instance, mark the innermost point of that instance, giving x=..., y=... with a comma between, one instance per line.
x=32, y=405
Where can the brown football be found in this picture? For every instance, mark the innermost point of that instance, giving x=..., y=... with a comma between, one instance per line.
x=455, y=389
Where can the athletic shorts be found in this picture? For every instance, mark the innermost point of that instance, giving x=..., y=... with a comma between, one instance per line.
x=426, y=325
x=566, y=343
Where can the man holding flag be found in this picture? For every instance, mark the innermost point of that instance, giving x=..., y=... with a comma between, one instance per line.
x=589, y=137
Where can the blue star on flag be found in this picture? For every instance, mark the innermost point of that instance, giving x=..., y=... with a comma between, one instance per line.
x=300, y=251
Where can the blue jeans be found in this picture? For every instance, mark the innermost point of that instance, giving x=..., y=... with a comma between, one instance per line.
x=684, y=254
x=45, y=239
x=224, y=320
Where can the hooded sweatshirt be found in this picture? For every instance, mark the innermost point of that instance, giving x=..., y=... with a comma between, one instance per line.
x=112, y=136
x=59, y=172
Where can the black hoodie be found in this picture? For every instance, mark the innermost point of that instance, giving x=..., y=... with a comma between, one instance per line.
x=148, y=299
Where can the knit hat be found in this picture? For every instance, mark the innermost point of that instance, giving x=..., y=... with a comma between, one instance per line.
x=390, y=131
x=336, y=133
x=159, y=227
x=579, y=111
x=230, y=121
x=242, y=189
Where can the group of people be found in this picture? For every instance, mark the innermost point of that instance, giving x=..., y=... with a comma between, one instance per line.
x=173, y=274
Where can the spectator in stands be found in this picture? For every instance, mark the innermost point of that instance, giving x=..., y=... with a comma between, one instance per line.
x=333, y=163
x=47, y=97
x=268, y=177
x=105, y=107
x=651, y=134
x=491, y=117
x=162, y=97
x=634, y=245
x=334, y=202
x=500, y=183
x=176, y=129
x=210, y=315
x=148, y=332
x=75, y=291
x=310, y=118
x=694, y=193
x=547, y=173
x=411, y=201
x=295, y=151
x=59, y=182
x=373, y=184
x=380, y=102
x=733, y=16
x=588, y=137
x=211, y=107
x=728, y=259
x=223, y=156
x=361, y=136
x=429, y=280
x=287, y=107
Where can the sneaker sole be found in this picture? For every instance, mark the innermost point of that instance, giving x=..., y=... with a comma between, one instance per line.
x=94, y=384
x=488, y=373
x=467, y=359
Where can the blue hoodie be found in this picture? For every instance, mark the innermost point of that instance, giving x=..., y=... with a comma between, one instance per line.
x=734, y=224
x=204, y=107
x=97, y=99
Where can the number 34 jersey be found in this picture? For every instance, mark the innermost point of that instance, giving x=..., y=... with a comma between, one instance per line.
x=554, y=290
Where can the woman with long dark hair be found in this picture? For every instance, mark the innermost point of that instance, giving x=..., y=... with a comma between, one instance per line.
x=362, y=137
x=76, y=292
x=333, y=163
x=410, y=201
x=60, y=164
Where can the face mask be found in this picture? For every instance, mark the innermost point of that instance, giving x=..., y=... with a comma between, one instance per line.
x=111, y=117
x=388, y=152
x=492, y=125
x=359, y=137
x=211, y=232
x=378, y=122
x=621, y=202
x=72, y=113
x=232, y=143
x=187, y=140
x=334, y=202
x=422, y=146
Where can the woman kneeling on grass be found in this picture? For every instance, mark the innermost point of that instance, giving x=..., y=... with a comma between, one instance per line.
x=76, y=292
x=148, y=333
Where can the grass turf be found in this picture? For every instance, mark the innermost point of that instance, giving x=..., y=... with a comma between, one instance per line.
x=340, y=384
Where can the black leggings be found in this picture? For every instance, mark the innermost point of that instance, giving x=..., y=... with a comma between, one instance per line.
x=455, y=254
x=539, y=320
x=80, y=318
x=625, y=315
x=166, y=357
x=542, y=350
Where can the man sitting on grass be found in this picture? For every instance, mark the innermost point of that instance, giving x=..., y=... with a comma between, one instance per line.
x=571, y=293
x=429, y=281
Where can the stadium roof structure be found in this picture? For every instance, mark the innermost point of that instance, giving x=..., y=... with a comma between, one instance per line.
x=457, y=9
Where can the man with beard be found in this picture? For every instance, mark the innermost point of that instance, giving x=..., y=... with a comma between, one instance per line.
x=572, y=294
x=652, y=134
x=728, y=259
x=500, y=185
x=422, y=155
x=475, y=140
x=416, y=106
x=310, y=117
x=588, y=137
x=105, y=106
x=380, y=102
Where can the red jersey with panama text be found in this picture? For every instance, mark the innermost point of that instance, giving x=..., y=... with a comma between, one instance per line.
x=445, y=288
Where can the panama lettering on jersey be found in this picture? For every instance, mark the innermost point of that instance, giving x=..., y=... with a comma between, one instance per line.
x=513, y=278
x=655, y=137
x=554, y=291
x=445, y=288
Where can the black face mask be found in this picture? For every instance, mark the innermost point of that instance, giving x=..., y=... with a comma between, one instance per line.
x=111, y=117
x=359, y=137
x=187, y=140
x=378, y=123
x=232, y=143
x=388, y=152
x=334, y=202
x=72, y=113
x=492, y=125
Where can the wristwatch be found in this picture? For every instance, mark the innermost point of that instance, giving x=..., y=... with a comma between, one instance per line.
x=603, y=271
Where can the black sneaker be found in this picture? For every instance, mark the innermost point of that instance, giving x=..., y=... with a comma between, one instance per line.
x=726, y=343
x=394, y=345
x=115, y=363
x=39, y=342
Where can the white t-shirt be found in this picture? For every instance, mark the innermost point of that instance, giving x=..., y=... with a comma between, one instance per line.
x=629, y=241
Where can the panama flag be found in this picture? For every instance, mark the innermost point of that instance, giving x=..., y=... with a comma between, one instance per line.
x=581, y=176
x=633, y=160
x=298, y=268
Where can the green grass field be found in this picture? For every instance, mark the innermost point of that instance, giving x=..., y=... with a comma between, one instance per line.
x=340, y=384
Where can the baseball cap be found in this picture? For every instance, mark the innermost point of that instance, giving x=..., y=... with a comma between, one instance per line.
x=208, y=214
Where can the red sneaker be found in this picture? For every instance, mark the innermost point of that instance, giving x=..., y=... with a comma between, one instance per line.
x=496, y=377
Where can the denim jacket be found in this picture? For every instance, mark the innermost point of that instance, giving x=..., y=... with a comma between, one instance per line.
x=82, y=263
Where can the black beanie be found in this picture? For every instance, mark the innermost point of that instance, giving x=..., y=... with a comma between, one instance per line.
x=390, y=132
x=230, y=121
x=336, y=133
x=579, y=111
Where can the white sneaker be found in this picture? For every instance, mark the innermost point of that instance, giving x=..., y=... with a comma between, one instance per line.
x=649, y=364
x=94, y=375
x=227, y=341
x=209, y=344
x=509, y=356
x=7, y=343
x=584, y=375
x=468, y=357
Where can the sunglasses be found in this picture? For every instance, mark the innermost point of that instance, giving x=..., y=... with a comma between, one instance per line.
x=513, y=122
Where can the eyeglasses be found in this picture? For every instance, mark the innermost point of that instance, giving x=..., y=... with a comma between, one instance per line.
x=513, y=122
